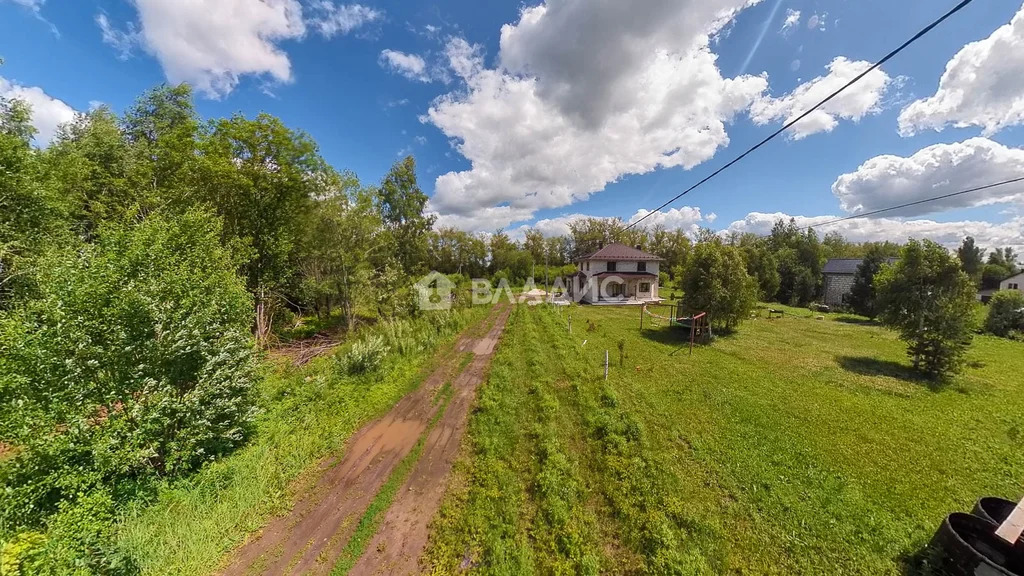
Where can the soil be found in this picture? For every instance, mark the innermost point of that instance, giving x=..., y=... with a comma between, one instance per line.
x=399, y=542
x=310, y=538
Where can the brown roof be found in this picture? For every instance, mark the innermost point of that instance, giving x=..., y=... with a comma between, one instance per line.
x=617, y=251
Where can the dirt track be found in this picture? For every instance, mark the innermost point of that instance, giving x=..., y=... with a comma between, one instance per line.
x=310, y=539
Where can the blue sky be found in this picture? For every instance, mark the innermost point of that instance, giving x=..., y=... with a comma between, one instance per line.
x=578, y=107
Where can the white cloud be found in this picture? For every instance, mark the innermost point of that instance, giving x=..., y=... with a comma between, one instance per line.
x=124, y=41
x=411, y=66
x=583, y=94
x=792, y=21
x=485, y=219
x=983, y=85
x=949, y=234
x=941, y=169
x=686, y=218
x=854, y=103
x=211, y=44
x=330, y=19
x=36, y=7
x=47, y=112
x=33, y=5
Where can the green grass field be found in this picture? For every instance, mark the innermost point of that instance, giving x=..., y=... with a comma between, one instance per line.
x=794, y=446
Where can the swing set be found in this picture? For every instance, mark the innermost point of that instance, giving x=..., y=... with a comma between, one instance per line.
x=699, y=325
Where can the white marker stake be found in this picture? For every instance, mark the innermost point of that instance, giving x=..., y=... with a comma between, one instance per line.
x=605, y=364
x=1011, y=530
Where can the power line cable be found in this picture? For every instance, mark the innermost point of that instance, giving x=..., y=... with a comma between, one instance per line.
x=789, y=124
x=916, y=202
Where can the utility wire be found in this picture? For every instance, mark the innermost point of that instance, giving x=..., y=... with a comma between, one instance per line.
x=915, y=203
x=787, y=125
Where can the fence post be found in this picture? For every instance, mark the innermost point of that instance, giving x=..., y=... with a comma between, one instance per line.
x=605, y=364
x=570, y=323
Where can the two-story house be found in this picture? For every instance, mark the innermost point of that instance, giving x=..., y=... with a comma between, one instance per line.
x=616, y=274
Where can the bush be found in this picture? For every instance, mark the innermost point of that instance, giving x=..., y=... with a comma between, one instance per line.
x=134, y=360
x=1005, y=313
x=365, y=356
x=499, y=276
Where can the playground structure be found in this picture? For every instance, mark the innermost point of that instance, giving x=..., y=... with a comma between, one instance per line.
x=699, y=325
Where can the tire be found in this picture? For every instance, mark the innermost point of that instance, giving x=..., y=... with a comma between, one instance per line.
x=966, y=545
x=993, y=509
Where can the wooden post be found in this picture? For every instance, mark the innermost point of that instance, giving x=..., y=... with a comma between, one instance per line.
x=693, y=322
x=605, y=364
x=1012, y=529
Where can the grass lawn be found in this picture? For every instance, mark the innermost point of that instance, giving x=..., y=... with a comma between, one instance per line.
x=308, y=414
x=794, y=446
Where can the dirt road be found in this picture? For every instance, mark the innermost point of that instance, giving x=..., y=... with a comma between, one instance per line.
x=310, y=539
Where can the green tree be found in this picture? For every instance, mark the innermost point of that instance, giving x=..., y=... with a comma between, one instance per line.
x=762, y=266
x=341, y=237
x=929, y=300
x=800, y=258
x=163, y=133
x=715, y=280
x=262, y=179
x=90, y=166
x=589, y=234
x=1005, y=313
x=862, y=294
x=401, y=204
x=993, y=274
x=970, y=256
x=32, y=215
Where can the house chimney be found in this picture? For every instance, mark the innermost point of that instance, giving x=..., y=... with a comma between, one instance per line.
x=600, y=244
x=639, y=247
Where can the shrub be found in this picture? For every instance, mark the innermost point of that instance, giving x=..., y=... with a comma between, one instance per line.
x=134, y=360
x=1005, y=313
x=499, y=276
x=365, y=356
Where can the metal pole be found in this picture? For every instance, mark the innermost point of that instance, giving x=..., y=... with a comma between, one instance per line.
x=642, y=308
x=570, y=323
x=605, y=364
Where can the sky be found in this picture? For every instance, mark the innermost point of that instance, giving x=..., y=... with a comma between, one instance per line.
x=527, y=115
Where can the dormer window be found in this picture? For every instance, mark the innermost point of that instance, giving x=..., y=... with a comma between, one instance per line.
x=641, y=266
x=611, y=266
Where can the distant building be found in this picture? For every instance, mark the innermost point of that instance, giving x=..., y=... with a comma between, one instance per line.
x=1015, y=282
x=839, y=274
x=616, y=274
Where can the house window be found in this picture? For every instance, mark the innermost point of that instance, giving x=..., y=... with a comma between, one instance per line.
x=611, y=266
x=1013, y=287
x=641, y=266
x=588, y=266
x=645, y=287
x=614, y=290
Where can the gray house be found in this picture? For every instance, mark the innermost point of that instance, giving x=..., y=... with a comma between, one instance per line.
x=839, y=279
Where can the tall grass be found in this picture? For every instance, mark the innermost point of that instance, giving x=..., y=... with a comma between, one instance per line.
x=189, y=526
